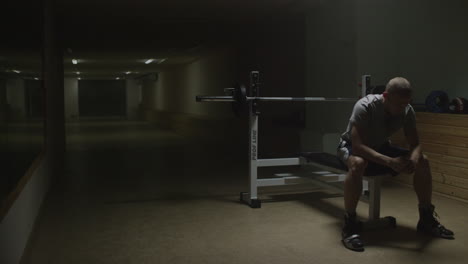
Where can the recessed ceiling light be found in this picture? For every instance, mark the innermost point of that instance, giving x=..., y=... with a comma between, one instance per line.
x=158, y=61
x=37, y=79
x=78, y=73
x=75, y=61
x=16, y=71
x=118, y=78
x=128, y=72
x=79, y=78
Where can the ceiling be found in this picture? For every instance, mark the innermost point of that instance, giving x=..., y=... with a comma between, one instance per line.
x=112, y=37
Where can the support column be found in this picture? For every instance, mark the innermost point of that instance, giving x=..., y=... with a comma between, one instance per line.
x=3, y=101
x=52, y=56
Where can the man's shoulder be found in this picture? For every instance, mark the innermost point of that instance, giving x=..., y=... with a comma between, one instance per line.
x=370, y=100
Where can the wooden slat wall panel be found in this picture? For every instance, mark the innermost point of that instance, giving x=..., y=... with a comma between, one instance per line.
x=449, y=169
x=450, y=190
x=444, y=139
x=452, y=151
x=454, y=161
x=443, y=130
x=408, y=178
x=456, y=181
x=442, y=119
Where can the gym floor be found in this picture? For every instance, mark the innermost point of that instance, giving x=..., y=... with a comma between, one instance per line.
x=133, y=193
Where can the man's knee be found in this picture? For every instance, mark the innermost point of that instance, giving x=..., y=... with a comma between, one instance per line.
x=424, y=158
x=357, y=165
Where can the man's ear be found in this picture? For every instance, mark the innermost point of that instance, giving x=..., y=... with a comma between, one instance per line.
x=385, y=94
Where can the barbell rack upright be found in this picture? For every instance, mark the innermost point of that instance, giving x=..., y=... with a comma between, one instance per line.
x=251, y=198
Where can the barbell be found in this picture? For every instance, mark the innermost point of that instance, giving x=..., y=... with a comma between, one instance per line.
x=240, y=100
x=239, y=95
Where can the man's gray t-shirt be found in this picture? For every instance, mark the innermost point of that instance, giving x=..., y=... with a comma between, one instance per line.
x=369, y=114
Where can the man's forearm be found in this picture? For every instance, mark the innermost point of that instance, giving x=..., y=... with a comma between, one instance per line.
x=369, y=154
x=415, y=152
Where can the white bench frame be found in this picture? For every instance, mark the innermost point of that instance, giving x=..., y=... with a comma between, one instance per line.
x=325, y=177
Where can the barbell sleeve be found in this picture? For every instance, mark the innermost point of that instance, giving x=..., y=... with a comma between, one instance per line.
x=215, y=98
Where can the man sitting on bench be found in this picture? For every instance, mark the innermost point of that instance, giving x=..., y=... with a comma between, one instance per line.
x=365, y=149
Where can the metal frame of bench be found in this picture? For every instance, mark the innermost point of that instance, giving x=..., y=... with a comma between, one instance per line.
x=316, y=173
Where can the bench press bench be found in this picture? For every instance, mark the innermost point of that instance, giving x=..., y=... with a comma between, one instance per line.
x=324, y=170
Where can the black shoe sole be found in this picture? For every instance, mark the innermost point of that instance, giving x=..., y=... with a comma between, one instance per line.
x=429, y=233
x=351, y=248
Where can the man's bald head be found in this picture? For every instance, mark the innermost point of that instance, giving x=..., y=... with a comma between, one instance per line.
x=399, y=86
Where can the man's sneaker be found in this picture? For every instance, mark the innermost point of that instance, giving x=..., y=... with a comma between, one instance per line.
x=350, y=234
x=428, y=224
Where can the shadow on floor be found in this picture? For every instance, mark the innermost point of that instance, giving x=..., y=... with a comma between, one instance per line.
x=176, y=197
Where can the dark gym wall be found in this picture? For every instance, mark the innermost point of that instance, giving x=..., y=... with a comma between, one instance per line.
x=102, y=98
x=277, y=50
x=331, y=69
x=427, y=44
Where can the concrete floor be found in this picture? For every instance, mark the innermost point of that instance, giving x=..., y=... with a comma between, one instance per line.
x=136, y=194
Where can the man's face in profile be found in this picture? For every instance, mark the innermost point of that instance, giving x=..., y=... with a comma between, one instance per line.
x=396, y=104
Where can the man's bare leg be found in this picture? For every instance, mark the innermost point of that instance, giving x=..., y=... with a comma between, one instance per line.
x=353, y=182
x=352, y=193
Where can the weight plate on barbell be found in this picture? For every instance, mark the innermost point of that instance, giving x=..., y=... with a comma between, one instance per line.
x=239, y=106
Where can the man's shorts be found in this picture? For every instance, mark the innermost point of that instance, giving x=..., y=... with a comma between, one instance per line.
x=345, y=150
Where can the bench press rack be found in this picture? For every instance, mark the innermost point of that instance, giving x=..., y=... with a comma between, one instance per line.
x=330, y=172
